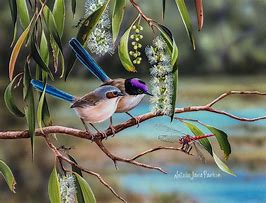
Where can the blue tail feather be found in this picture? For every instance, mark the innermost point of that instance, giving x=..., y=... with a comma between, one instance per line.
x=87, y=60
x=52, y=91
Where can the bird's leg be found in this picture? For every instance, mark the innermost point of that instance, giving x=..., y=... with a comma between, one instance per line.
x=135, y=118
x=111, y=126
x=183, y=145
x=189, y=149
x=102, y=133
x=87, y=129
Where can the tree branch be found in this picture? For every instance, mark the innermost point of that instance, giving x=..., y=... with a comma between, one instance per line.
x=124, y=125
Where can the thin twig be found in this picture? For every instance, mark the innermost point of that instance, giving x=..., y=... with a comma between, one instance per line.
x=222, y=96
x=130, y=161
x=146, y=18
x=156, y=149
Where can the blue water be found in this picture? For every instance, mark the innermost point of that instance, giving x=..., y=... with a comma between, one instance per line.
x=217, y=187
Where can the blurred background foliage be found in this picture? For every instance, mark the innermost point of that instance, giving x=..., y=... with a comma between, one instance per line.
x=230, y=54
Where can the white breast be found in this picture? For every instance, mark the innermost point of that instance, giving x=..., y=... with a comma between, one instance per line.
x=98, y=113
x=126, y=103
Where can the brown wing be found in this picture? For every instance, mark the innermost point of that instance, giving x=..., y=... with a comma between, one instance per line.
x=88, y=100
x=119, y=83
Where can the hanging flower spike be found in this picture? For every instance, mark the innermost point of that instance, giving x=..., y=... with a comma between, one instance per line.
x=100, y=40
x=67, y=188
x=136, y=45
x=161, y=73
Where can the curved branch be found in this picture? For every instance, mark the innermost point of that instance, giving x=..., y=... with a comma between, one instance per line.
x=222, y=96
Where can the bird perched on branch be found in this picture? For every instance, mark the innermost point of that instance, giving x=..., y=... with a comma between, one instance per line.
x=133, y=88
x=94, y=107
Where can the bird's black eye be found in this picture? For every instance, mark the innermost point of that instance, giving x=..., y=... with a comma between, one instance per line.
x=140, y=91
x=115, y=93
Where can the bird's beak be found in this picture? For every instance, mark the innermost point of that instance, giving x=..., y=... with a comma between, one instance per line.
x=120, y=94
x=150, y=94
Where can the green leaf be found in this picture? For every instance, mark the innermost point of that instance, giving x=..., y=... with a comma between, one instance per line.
x=207, y=145
x=14, y=34
x=163, y=11
x=117, y=17
x=175, y=90
x=38, y=59
x=16, y=50
x=23, y=13
x=9, y=98
x=173, y=51
x=73, y=6
x=46, y=117
x=53, y=188
x=6, y=172
x=13, y=10
x=40, y=108
x=197, y=132
x=222, y=165
x=186, y=20
x=29, y=106
x=169, y=39
x=44, y=51
x=86, y=190
x=84, y=32
x=78, y=188
x=222, y=140
x=59, y=15
x=123, y=49
x=51, y=26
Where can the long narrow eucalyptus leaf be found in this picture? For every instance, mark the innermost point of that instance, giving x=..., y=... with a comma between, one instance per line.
x=6, y=172
x=23, y=13
x=29, y=105
x=117, y=17
x=186, y=20
x=9, y=99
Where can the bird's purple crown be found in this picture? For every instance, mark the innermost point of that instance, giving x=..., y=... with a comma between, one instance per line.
x=139, y=84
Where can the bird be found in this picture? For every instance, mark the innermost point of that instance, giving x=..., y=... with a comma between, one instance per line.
x=133, y=88
x=94, y=107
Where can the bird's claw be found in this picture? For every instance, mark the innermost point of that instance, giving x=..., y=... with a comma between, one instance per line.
x=104, y=135
x=137, y=120
x=113, y=130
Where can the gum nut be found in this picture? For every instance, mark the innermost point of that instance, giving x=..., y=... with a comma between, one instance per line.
x=134, y=61
x=139, y=45
x=131, y=52
x=135, y=47
x=137, y=39
x=137, y=30
x=138, y=62
x=141, y=36
x=140, y=27
x=132, y=36
x=135, y=55
x=133, y=43
x=134, y=27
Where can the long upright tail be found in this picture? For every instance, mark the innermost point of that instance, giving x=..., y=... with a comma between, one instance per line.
x=86, y=59
x=52, y=91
